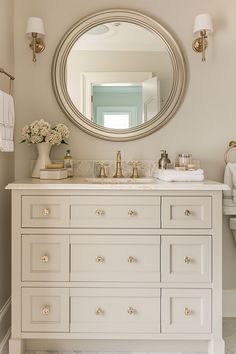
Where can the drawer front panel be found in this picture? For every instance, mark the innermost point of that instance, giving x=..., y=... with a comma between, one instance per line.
x=186, y=310
x=45, y=257
x=45, y=211
x=115, y=258
x=186, y=212
x=45, y=310
x=115, y=310
x=186, y=258
x=115, y=211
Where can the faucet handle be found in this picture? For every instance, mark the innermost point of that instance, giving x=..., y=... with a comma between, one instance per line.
x=102, y=171
x=135, y=164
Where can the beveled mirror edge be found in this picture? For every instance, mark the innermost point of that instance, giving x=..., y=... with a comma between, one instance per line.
x=59, y=85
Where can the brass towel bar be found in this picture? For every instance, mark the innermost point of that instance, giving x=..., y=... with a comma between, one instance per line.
x=232, y=144
x=10, y=77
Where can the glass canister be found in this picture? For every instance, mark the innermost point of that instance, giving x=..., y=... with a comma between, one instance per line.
x=184, y=160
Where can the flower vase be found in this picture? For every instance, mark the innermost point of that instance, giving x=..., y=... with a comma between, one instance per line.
x=43, y=158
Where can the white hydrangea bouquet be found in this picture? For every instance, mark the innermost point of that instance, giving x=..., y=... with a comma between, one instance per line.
x=41, y=131
x=43, y=136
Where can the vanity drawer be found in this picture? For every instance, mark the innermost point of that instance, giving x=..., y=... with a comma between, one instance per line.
x=186, y=258
x=45, y=211
x=115, y=212
x=115, y=258
x=115, y=310
x=45, y=310
x=45, y=257
x=186, y=212
x=186, y=310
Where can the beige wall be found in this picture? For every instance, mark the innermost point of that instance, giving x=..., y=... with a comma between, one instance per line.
x=204, y=124
x=6, y=159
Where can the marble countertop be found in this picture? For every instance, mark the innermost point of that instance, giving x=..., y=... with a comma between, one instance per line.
x=77, y=183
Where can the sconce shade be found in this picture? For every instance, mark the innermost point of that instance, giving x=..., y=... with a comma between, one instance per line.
x=35, y=25
x=203, y=22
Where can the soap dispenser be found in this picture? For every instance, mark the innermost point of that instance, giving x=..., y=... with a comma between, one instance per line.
x=164, y=160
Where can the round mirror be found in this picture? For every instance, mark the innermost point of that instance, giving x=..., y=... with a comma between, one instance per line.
x=118, y=75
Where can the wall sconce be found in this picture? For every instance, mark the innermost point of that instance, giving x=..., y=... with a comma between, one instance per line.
x=35, y=30
x=203, y=26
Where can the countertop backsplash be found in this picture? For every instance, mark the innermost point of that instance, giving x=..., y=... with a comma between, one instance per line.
x=90, y=168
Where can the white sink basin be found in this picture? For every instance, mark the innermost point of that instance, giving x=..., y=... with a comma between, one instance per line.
x=120, y=180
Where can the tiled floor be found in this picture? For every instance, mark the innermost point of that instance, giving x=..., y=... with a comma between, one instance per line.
x=229, y=333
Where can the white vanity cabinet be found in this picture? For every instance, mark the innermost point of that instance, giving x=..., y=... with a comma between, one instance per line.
x=110, y=264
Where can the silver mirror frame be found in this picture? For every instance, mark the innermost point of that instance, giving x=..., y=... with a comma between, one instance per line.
x=59, y=77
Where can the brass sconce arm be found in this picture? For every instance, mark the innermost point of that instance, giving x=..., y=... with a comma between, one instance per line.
x=200, y=44
x=37, y=45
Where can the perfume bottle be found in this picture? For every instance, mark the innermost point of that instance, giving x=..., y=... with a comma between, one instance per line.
x=68, y=163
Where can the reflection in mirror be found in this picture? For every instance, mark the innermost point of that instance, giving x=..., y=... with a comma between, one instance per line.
x=119, y=75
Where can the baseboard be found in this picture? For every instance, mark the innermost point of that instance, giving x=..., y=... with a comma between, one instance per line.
x=5, y=326
x=229, y=303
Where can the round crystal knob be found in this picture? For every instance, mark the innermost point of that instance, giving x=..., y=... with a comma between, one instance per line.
x=187, y=212
x=45, y=258
x=100, y=311
x=187, y=311
x=132, y=212
x=131, y=310
x=46, y=211
x=99, y=212
x=187, y=260
x=132, y=259
x=46, y=310
x=100, y=259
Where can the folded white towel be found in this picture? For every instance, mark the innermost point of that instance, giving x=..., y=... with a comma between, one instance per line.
x=232, y=168
x=179, y=176
x=196, y=178
x=2, y=121
x=178, y=173
x=228, y=210
x=234, y=195
x=7, y=121
x=10, y=117
x=229, y=203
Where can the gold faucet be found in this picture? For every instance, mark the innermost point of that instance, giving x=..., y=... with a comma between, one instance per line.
x=118, y=173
